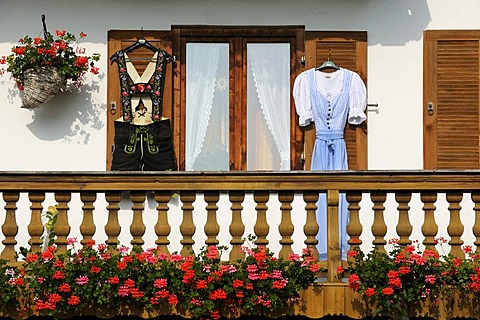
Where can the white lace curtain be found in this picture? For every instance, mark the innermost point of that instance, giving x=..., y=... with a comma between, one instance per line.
x=270, y=70
x=270, y=65
x=202, y=64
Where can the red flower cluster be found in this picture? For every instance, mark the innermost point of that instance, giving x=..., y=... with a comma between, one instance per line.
x=406, y=275
x=218, y=294
x=202, y=284
x=354, y=282
x=80, y=62
x=59, y=51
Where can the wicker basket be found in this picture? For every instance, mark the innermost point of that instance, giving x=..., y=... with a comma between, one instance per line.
x=40, y=86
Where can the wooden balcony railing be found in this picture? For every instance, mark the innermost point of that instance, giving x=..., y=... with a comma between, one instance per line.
x=406, y=205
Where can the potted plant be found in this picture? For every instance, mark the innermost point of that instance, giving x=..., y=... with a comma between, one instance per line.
x=42, y=67
x=395, y=284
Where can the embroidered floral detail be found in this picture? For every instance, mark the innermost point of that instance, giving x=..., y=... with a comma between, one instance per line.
x=154, y=89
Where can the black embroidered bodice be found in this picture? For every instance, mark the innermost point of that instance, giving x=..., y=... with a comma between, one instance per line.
x=154, y=86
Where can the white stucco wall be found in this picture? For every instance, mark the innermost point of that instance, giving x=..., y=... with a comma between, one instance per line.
x=70, y=133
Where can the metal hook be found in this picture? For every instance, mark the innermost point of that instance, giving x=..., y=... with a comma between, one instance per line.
x=45, y=32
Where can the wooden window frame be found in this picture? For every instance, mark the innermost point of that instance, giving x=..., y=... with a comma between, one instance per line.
x=240, y=36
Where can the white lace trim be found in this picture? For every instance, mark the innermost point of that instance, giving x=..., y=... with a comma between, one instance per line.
x=205, y=107
x=262, y=96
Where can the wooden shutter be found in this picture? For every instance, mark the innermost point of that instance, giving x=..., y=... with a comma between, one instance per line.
x=120, y=39
x=451, y=99
x=347, y=50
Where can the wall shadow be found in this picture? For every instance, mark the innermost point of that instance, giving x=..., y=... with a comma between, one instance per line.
x=395, y=23
x=69, y=115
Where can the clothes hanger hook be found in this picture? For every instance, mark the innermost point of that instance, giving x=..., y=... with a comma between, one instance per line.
x=45, y=32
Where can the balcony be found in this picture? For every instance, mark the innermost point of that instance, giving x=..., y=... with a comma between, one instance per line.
x=176, y=211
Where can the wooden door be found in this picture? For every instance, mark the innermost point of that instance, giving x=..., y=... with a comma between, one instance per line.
x=120, y=39
x=347, y=50
x=451, y=99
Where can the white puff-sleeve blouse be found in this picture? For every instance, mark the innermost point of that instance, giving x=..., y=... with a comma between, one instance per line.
x=358, y=95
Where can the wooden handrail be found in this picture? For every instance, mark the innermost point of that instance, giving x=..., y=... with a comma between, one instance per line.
x=241, y=180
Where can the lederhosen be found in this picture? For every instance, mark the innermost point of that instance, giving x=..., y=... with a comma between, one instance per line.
x=143, y=147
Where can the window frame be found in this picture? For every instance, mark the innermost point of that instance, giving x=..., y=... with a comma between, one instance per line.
x=240, y=36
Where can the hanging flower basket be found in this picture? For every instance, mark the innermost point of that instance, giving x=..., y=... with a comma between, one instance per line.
x=41, y=85
x=44, y=66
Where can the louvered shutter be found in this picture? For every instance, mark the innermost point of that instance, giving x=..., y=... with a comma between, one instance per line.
x=120, y=39
x=347, y=50
x=451, y=92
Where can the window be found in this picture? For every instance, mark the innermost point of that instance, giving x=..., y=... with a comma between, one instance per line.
x=268, y=106
x=207, y=125
x=207, y=106
x=236, y=84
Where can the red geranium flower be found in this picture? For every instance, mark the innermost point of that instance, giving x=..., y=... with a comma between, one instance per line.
x=388, y=291
x=73, y=300
x=370, y=292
